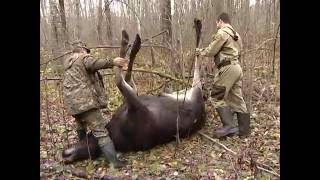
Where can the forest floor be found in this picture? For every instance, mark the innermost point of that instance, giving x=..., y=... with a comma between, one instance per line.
x=195, y=157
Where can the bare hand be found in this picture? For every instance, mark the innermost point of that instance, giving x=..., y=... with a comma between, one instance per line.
x=198, y=51
x=121, y=62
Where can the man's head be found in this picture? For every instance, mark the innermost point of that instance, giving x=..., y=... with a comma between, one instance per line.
x=80, y=47
x=223, y=19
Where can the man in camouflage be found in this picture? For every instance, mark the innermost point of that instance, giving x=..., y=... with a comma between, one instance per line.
x=226, y=89
x=84, y=96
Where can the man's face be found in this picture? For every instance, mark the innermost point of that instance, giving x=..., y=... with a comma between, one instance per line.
x=219, y=23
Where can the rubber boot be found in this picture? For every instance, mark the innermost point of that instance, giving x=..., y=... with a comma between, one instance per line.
x=81, y=134
x=244, y=124
x=227, y=121
x=109, y=152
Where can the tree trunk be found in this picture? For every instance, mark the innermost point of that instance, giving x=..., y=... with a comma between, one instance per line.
x=107, y=13
x=43, y=23
x=256, y=15
x=42, y=5
x=63, y=22
x=85, y=9
x=91, y=9
x=54, y=23
x=268, y=15
x=78, y=32
x=166, y=23
x=139, y=11
x=230, y=5
x=218, y=10
x=99, y=22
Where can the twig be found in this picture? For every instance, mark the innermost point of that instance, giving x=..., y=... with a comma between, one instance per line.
x=63, y=115
x=274, y=49
x=52, y=79
x=161, y=75
x=260, y=46
x=133, y=11
x=114, y=47
x=208, y=137
x=268, y=171
x=157, y=88
x=69, y=52
x=48, y=117
x=233, y=167
x=147, y=39
x=137, y=70
x=235, y=154
x=117, y=47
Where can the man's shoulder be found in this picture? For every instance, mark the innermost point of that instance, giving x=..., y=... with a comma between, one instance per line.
x=221, y=33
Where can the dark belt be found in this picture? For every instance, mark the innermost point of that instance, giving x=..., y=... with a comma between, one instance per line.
x=223, y=63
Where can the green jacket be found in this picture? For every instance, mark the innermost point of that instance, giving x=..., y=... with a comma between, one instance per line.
x=223, y=45
x=82, y=85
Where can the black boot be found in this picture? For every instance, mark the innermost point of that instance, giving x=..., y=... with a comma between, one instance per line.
x=109, y=152
x=81, y=134
x=244, y=124
x=226, y=119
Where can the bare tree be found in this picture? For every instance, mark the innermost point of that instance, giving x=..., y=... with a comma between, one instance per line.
x=268, y=16
x=78, y=32
x=230, y=5
x=166, y=20
x=42, y=6
x=63, y=22
x=99, y=22
x=54, y=23
x=85, y=9
x=218, y=9
x=107, y=13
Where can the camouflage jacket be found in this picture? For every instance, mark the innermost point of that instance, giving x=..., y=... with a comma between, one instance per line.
x=82, y=85
x=223, y=45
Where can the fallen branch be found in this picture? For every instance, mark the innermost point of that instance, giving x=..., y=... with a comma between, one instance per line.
x=160, y=75
x=137, y=70
x=114, y=47
x=69, y=52
x=268, y=171
x=117, y=47
x=157, y=88
x=234, y=153
x=215, y=141
x=147, y=39
x=52, y=79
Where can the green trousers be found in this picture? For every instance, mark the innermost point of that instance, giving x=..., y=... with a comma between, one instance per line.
x=226, y=89
x=94, y=121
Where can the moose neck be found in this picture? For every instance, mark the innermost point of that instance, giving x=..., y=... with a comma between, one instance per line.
x=196, y=75
x=126, y=90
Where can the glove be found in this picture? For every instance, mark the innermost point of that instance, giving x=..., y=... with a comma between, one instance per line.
x=198, y=51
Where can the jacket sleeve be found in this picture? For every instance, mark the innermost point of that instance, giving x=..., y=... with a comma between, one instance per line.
x=93, y=64
x=214, y=47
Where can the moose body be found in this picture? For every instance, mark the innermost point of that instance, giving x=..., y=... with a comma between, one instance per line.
x=155, y=122
x=142, y=122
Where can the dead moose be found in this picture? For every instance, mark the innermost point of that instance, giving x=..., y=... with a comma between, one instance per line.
x=145, y=121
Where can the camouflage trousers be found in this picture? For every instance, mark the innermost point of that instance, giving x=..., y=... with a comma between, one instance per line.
x=94, y=121
x=226, y=88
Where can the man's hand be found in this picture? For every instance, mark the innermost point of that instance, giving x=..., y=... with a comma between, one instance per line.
x=198, y=51
x=121, y=62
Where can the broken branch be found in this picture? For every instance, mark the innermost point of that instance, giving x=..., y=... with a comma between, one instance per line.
x=234, y=153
